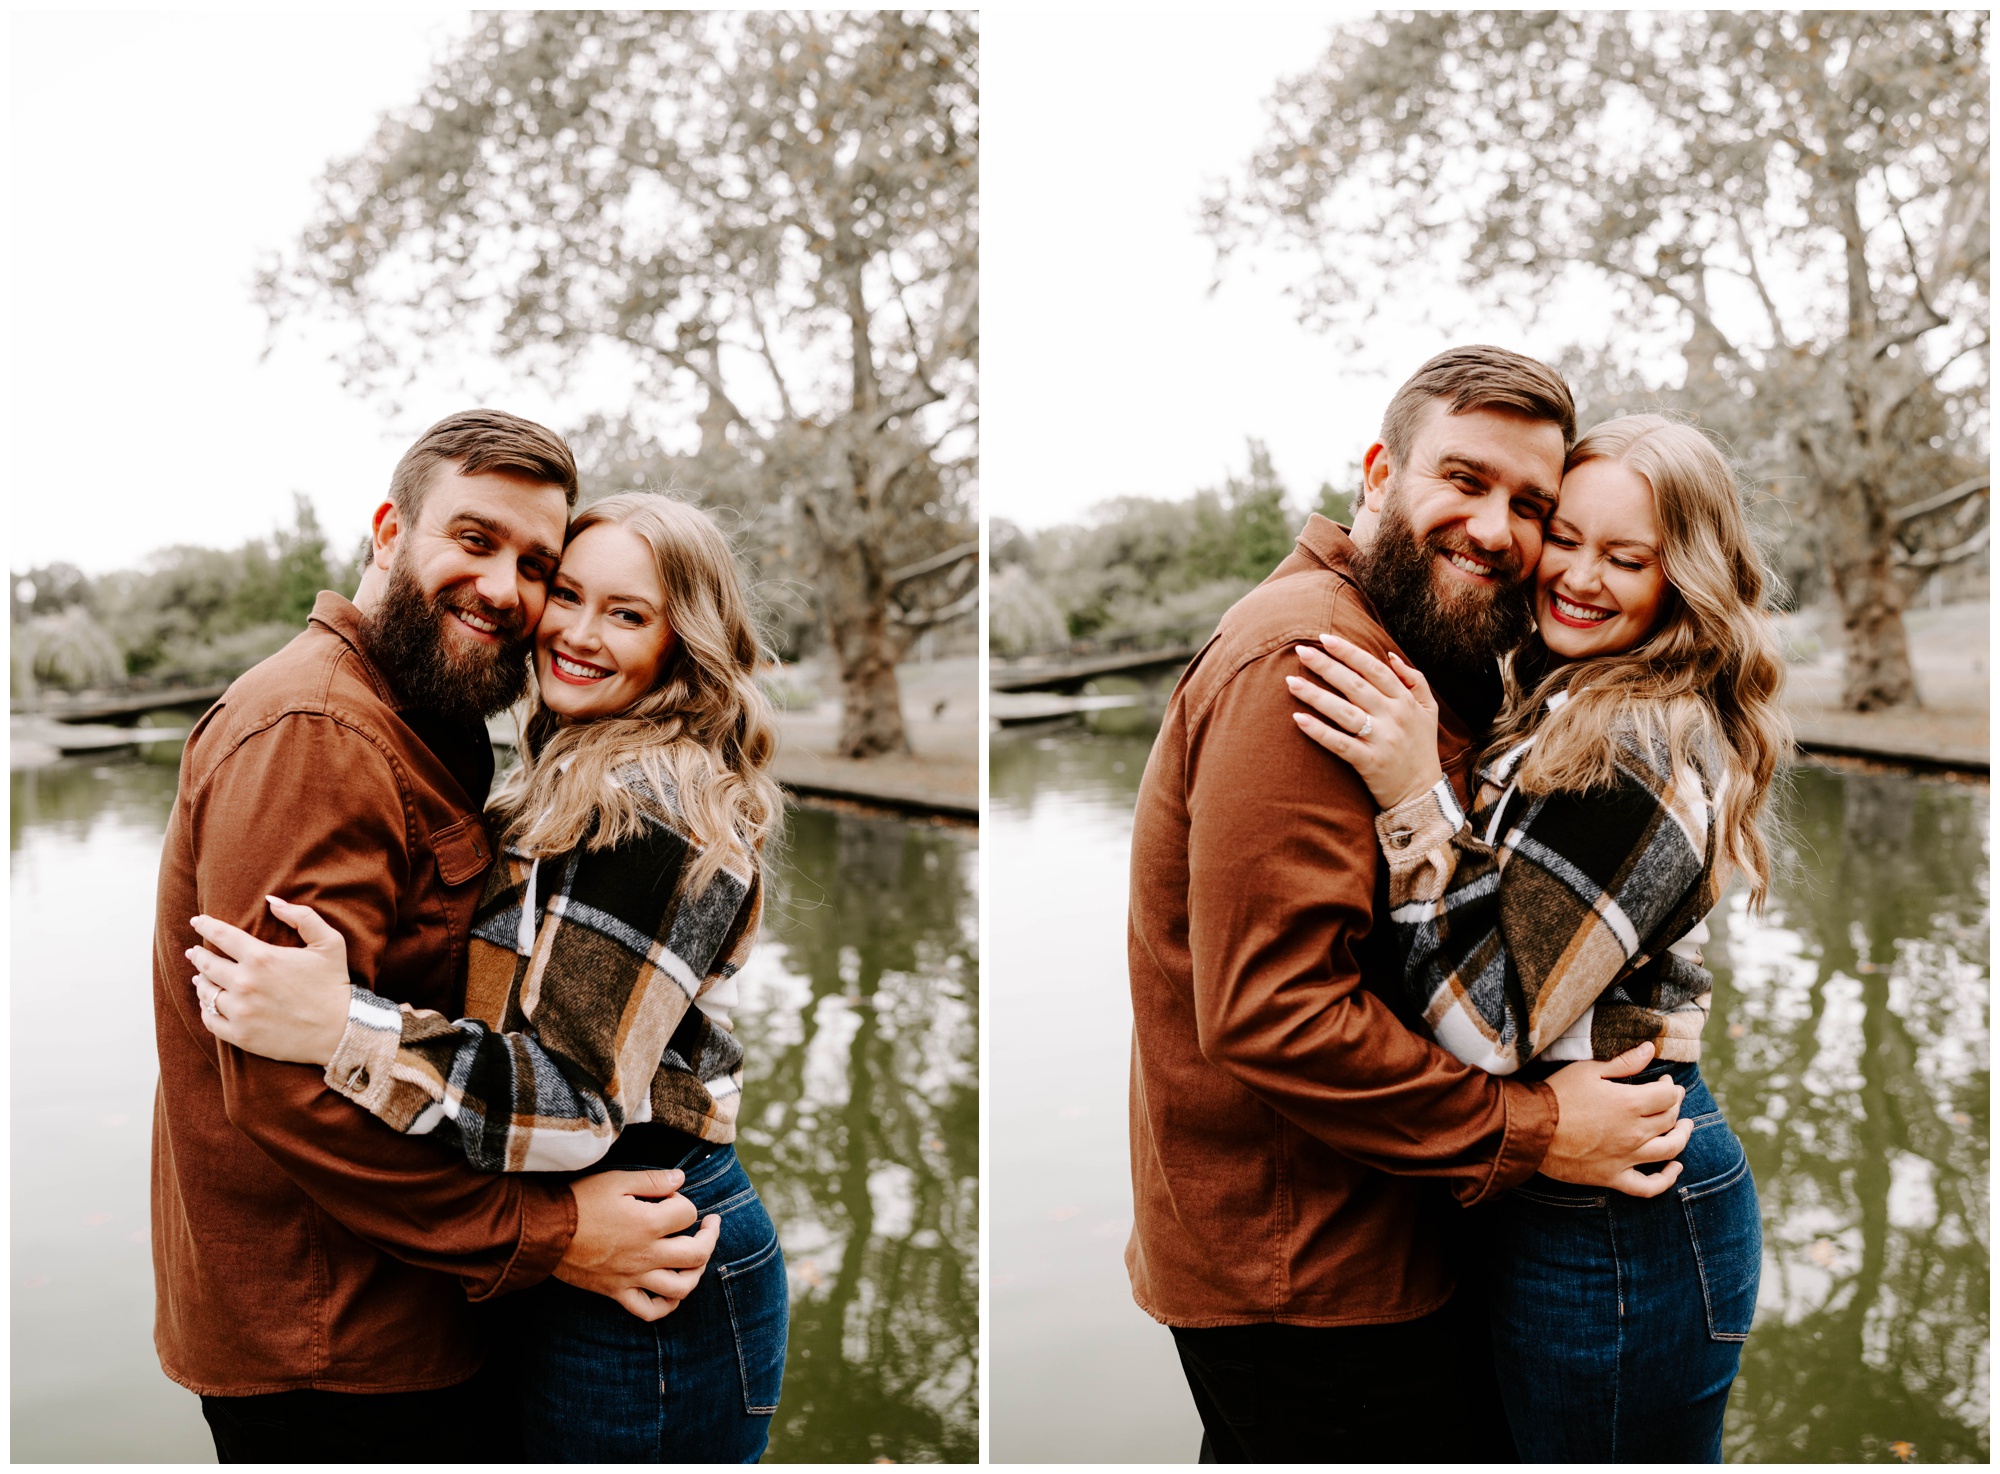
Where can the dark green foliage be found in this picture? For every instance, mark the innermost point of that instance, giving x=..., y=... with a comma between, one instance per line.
x=1156, y=571
x=191, y=612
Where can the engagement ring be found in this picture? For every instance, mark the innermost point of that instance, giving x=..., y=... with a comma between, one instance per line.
x=1367, y=726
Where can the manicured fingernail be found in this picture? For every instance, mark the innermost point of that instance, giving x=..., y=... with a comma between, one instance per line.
x=275, y=901
x=1304, y=650
x=1299, y=717
x=1294, y=682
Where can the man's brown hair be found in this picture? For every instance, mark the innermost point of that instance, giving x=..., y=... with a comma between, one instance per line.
x=477, y=440
x=1478, y=377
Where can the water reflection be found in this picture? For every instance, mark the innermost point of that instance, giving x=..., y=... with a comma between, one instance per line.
x=860, y=1018
x=1852, y=1058
x=1848, y=1047
x=860, y=1128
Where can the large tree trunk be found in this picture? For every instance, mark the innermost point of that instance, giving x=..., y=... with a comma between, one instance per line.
x=1878, y=671
x=1859, y=541
x=854, y=597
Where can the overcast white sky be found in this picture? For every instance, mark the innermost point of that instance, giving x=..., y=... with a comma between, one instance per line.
x=1107, y=368
x=151, y=159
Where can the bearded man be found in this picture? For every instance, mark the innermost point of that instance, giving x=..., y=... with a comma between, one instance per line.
x=1295, y=1148
x=313, y=1269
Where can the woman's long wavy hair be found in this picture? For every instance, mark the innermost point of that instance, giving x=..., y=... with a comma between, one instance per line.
x=703, y=736
x=1709, y=674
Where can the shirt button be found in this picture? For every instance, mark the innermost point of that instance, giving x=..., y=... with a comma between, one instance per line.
x=1399, y=837
x=358, y=1079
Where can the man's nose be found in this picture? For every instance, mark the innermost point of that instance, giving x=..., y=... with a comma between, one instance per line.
x=1491, y=525
x=498, y=585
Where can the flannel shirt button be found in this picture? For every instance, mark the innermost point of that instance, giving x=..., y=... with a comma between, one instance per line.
x=1399, y=837
x=357, y=1079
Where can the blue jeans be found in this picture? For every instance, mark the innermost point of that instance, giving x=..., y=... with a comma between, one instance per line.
x=1618, y=1322
x=599, y=1385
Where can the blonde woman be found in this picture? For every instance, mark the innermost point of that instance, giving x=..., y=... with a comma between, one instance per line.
x=1558, y=920
x=600, y=978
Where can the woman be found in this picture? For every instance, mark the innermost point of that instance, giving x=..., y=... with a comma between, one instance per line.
x=600, y=977
x=1557, y=921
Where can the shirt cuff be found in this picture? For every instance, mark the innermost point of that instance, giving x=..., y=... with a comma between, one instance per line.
x=360, y=1067
x=1416, y=826
x=1531, y=1127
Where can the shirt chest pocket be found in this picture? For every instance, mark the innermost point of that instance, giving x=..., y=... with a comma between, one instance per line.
x=463, y=851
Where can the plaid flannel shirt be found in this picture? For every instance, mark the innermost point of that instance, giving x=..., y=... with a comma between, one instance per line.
x=1557, y=926
x=597, y=996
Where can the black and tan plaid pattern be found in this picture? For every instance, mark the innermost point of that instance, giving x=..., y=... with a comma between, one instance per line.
x=1540, y=927
x=610, y=1008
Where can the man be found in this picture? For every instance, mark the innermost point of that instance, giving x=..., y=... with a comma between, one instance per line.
x=1289, y=1134
x=313, y=1269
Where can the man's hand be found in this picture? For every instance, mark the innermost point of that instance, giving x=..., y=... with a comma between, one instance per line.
x=1604, y=1129
x=622, y=1246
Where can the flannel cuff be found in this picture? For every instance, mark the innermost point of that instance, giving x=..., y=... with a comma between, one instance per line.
x=360, y=1067
x=1413, y=829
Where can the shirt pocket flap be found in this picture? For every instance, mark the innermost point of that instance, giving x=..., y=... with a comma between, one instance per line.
x=463, y=851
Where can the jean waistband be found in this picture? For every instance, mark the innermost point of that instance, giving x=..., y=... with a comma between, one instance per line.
x=651, y=1144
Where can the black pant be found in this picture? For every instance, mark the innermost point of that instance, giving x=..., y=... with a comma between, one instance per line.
x=1414, y=1392
x=447, y=1425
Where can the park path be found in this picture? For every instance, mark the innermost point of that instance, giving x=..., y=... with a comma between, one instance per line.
x=1950, y=647
x=940, y=774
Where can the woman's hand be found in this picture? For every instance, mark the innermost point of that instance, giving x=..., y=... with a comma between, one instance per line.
x=1384, y=718
x=279, y=1002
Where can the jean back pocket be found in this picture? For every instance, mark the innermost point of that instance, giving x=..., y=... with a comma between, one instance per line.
x=1723, y=1228
x=759, y=1315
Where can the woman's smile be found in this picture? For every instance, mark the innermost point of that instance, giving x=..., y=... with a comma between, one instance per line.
x=567, y=667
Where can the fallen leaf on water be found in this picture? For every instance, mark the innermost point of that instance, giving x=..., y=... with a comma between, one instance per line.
x=933, y=1143
x=1907, y=1452
x=34, y=1281
x=136, y=1236
x=1866, y=967
x=1737, y=1031
x=1056, y=1215
x=884, y=1459
x=96, y=1220
x=1823, y=1252
x=1959, y=1118
x=810, y=1273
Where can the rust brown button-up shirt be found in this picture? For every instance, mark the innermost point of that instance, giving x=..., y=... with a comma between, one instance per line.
x=297, y=1241
x=1289, y=1133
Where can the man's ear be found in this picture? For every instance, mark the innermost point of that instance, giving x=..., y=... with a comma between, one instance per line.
x=388, y=526
x=1377, y=470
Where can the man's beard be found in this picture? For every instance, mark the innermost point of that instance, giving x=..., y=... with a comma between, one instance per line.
x=405, y=635
x=1443, y=627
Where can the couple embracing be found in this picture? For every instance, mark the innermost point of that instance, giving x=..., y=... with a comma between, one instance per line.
x=1423, y=1164
x=454, y=1180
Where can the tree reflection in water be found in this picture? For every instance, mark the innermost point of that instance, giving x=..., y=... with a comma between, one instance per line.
x=1849, y=1050
x=861, y=1129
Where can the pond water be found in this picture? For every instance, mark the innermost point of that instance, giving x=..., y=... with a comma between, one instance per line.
x=860, y=1126
x=1848, y=1047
